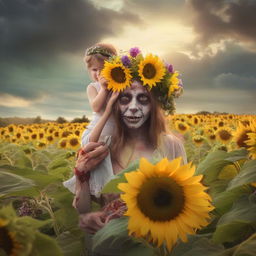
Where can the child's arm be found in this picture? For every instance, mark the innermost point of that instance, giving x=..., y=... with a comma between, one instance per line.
x=96, y=131
x=97, y=99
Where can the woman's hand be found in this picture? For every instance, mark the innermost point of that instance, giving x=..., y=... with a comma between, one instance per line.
x=91, y=155
x=111, y=101
x=92, y=222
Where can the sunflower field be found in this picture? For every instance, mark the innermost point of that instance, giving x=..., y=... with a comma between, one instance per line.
x=36, y=216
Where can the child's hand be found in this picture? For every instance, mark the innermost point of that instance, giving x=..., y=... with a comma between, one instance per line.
x=103, y=82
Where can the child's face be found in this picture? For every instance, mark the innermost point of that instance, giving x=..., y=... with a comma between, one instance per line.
x=95, y=69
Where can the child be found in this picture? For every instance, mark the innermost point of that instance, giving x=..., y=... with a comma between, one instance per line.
x=97, y=91
x=98, y=96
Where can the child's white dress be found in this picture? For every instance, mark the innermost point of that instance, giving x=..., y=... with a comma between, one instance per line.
x=102, y=173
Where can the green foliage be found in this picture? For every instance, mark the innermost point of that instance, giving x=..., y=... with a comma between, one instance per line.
x=31, y=175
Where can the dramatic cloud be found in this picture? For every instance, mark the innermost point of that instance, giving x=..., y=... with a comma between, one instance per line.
x=216, y=20
x=39, y=27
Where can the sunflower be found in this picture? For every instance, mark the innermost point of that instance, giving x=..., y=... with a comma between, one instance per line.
x=224, y=135
x=117, y=75
x=241, y=135
x=251, y=143
x=63, y=143
x=151, y=70
x=181, y=127
x=165, y=202
x=198, y=140
x=73, y=142
x=8, y=241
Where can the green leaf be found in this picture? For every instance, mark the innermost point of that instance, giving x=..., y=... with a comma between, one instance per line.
x=10, y=182
x=44, y=245
x=111, y=186
x=224, y=201
x=247, y=175
x=33, y=223
x=71, y=242
x=58, y=162
x=247, y=247
x=212, y=165
x=113, y=239
x=197, y=245
x=235, y=224
x=41, y=180
x=66, y=217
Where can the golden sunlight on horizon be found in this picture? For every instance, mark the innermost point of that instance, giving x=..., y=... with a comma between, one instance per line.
x=159, y=37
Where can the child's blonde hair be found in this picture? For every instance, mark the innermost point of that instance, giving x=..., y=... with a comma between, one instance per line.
x=99, y=52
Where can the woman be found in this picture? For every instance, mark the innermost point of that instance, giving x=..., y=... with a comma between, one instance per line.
x=140, y=132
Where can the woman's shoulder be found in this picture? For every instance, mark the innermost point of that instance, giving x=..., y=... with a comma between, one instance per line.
x=173, y=146
x=173, y=139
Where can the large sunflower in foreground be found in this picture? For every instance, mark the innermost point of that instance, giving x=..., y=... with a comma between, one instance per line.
x=151, y=70
x=165, y=202
x=117, y=75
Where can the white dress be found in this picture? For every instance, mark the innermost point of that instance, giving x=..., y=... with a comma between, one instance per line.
x=100, y=174
x=170, y=147
x=108, y=128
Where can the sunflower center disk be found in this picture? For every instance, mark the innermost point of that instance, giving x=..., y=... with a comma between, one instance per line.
x=118, y=75
x=161, y=199
x=149, y=71
x=5, y=241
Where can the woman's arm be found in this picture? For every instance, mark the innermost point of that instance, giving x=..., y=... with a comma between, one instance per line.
x=96, y=131
x=88, y=159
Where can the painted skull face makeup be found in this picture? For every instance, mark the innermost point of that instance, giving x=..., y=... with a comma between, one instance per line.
x=135, y=106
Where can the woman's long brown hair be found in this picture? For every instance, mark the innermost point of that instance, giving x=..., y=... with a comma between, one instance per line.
x=155, y=122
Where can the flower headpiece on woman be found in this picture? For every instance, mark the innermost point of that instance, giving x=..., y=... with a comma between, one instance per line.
x=156, y=75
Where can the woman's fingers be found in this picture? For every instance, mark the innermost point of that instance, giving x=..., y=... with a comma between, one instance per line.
x=91, y=146
x=97, y=152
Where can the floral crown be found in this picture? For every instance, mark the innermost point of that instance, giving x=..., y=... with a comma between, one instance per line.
x=98, y=49
x=156, y=75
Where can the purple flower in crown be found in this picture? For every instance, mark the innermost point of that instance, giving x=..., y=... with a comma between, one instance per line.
x=134, y=51
x=126, y=61
x=169, y=67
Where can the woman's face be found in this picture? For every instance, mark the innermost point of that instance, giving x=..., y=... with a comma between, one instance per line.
x=135, y=105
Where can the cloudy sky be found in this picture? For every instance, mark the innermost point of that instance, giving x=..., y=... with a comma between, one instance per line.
x=42, y=42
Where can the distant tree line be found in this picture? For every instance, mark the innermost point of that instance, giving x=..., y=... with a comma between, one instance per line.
x=5, y=121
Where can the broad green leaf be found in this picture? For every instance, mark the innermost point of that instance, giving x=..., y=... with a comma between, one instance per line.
x=247, y=175
x=45, y=245
x=10, y=182
x=71, y=242
x=34, y=223
x=247, y=247
x=113, y=239
x=212, y=165
x=215, y=161
x=111, y=186
x=58, y=162
x=224, y=201
x=66, y=217
x=235, y=224
x=41, y=180
x=197, y=246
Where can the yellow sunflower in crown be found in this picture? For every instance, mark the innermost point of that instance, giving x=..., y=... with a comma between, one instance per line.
x=151, y=70
x=117, y=75
x=165, y=202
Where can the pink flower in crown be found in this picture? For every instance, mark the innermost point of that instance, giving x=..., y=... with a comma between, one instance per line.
x=134, y=51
